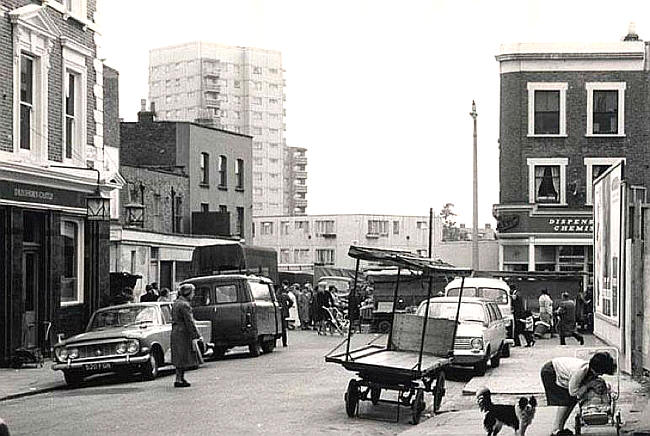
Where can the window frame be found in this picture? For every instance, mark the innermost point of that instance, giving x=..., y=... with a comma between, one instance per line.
x=223, y=171
x=80, y=244
x=204, y=166
x=74, y=62
x=546, y=86
x=239, y=174
x=605, y=86
x=562, y=162
x=589, y=164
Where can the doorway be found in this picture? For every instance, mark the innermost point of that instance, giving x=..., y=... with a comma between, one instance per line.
x=166, y=274
x=30, y=297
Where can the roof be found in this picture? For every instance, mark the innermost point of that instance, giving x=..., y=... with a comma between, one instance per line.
x=405, y=259
x=464, y=300
x=225, y=277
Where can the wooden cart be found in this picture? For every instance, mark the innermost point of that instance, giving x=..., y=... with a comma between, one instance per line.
x=418, y=351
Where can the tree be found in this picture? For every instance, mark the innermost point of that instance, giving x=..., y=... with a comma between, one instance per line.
x=449, y=230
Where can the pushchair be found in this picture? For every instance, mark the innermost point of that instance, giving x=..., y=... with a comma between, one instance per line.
x=337, y=320
x=609, y=414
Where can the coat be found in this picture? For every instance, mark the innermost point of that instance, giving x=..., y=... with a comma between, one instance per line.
x=304, y=301
x=285, y=303
x=184, y=354
x=323, y=299
x=567, y=313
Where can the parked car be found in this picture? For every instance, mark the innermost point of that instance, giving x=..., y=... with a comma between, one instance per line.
x=133, y=337
x=481, y=333
x=243, y=310
x=490, y=288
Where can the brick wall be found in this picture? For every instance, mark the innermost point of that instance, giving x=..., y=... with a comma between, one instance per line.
x=111, y=107
x=148, y=143
x=516, y=147
x=154, y=182
x=6, y=85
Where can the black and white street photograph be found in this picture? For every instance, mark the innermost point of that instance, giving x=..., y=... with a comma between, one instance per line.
x=309, y=217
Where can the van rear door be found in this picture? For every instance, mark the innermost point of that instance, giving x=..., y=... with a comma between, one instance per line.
x=265, y=307
x=227, y=305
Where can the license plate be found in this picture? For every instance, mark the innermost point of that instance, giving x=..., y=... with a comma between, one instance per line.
x=97, y=366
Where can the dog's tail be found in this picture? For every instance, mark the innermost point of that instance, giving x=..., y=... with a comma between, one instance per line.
x=484, y=399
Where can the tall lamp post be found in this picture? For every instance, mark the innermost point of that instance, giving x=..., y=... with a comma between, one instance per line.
x=475, y=262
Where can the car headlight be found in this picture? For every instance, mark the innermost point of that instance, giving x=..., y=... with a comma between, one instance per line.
x=121, y=348
x=132, y=346
x=61, y=353
x=73, y=353
x=477, y=343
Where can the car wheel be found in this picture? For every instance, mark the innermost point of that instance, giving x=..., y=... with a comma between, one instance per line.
x=219, y=352
x=255, y=349
x=383, y=326
x=73, y=379
x=496, y=359
x=268, y=346
x=150, y=369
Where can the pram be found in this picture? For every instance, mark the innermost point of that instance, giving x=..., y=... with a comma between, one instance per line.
x=337, y=320
x=588, y=415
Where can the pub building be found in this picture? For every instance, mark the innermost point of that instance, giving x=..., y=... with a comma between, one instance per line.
x=56, y=178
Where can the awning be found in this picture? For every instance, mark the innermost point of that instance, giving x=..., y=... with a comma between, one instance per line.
x=404, y=259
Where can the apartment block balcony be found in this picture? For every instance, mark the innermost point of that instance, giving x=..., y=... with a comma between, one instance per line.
x=300, y=202
x=212, y=86
x=300, y=159
x=213, y=102
x=300, y=174
x=300, y=188
x=212, y=73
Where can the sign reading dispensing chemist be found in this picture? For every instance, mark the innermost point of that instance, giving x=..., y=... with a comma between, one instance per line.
x=608, y=217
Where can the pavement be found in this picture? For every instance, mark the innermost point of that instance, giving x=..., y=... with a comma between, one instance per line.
x=517, y=375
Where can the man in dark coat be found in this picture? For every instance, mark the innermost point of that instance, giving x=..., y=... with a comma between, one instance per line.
x=184, y=353
x=567, y=324
x=285, y=303
x=149, y=295
x=518, y=314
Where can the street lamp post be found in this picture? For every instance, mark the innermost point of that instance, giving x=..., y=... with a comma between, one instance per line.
x=475, y=262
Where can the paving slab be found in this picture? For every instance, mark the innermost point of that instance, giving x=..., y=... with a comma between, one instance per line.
x=28, y=380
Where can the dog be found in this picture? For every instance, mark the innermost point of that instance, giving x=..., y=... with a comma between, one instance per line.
x=518, y=417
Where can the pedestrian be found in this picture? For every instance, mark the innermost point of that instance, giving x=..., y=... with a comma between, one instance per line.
x=529, y=328
x=125, y=296
x=156, y=290
x=164, y=295
x=285, y=303
x=589, y=308
x=294, y=316
x=185, y=355
x=323, y=300
x=149, y=295
x=354, y=313
x=304, y=304
x=545, y=313
x=567, y=325
x=580, y=310
x=4, y=429
x=518, y=315
x=565, y=381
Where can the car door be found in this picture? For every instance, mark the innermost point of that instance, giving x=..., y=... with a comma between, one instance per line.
x=490, y=331
x=203, y=306
x=228, y=306
x=264, y=307
x=495, y=327
x=165, y=341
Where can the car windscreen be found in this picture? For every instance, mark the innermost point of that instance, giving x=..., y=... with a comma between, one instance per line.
x=495, y=294
x=468, y=311
x=123, y=316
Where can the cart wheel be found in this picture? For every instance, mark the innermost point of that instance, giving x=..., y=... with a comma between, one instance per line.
x=417, y=406
x=352, y=398
x=439, y=391
x=578, y=425
x=375, y=393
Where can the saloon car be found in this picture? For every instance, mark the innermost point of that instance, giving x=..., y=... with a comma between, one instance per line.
x=133, y=337
x=481, y=334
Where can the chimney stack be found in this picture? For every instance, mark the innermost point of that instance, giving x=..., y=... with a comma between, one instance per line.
x=631, y=33
x=143, y=115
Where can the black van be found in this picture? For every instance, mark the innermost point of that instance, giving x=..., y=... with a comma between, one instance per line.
x=243, y=310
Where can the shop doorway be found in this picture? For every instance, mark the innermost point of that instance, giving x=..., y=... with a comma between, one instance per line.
x=31, y=269
x=166, y=274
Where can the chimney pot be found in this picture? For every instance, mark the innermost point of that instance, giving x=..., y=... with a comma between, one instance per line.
x=143, y=105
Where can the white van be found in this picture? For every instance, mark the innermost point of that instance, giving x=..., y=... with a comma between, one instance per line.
x=490, y=288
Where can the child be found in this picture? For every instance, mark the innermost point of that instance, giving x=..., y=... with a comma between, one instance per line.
x=529, y=327
x=595, y=396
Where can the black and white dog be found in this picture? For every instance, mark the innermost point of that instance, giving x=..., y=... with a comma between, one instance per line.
x=519, y=416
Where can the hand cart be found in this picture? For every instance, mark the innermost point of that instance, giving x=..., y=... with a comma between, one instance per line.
x=419, y=349
x=609, y=416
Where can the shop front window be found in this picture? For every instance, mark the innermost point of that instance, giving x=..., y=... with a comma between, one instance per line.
x=72, y=278
x=515, y=257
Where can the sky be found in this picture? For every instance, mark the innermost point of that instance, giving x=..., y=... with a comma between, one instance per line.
x=379, y=92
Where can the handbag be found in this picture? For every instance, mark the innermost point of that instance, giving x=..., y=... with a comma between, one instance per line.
x=197, y=350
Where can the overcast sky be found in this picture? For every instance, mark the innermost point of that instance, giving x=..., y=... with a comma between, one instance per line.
x=378, y=91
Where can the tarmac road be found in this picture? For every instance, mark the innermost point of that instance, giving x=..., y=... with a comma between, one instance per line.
x=290, y=391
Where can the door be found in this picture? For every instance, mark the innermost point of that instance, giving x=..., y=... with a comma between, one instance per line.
x=31, y=263
x=166, y=268
x=228, y=306
x=265, y=308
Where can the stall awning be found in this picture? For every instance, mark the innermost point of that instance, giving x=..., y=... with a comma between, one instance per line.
x=404, y=259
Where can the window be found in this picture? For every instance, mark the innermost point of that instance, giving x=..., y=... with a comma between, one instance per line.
x=76, y=7
x=273, y=70
x=325, y=256
x=301, y=255
x=260, y=291
x=26, y=101
x=257, y=161
x=225, y=294
x=273, y=101
x=201, y=296
x=258, y=86
x=223, y=208
x=284, y=227
x=205, y=207
x=302, y=226
x=166, y=311
x=72, y=276
x=257, y=70
x=223, y=171
x=267, y=227
x=156, y=212
x=595, y=167
x=325, y=227
x=237, y=84
x=377, y=227
x=257, y=131
x=285, y=255
x=257, y=145
x=257, y=177
x=395, y=227
x=239, y=173
x=239, y=229
x=547, y=108
x=421, y=225
x=178, y=211
x=605, y=108
x=547, y=180
x=257, y=116
x=205, y=168
x=515, y=257
x=257, y=100
x=258, y=191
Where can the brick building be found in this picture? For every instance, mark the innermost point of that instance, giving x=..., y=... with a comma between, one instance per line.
x=568, y=112
x=52, y=119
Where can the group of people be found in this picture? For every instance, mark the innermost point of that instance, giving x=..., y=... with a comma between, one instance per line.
x=151, y=293
x=566, y=319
